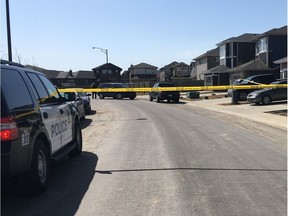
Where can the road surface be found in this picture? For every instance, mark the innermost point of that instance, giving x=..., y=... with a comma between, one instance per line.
x=144, y=158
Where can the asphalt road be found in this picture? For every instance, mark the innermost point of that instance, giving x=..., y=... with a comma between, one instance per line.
x=144, y=158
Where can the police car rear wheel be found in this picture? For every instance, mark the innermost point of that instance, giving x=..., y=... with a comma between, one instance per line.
x=35, y=180
x=77, y=141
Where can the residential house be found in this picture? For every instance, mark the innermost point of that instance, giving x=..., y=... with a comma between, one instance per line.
x=84, y=79
x=283, y=67
x=237, y=50
x=206, y=61
x=272, y=46
x=216, y=76
x=107, y=73
x=143, y=72
x=253, y=67
x=180, y=74
x=175, y=70
x=166, y=72
x=269, y=47
x=181, y=70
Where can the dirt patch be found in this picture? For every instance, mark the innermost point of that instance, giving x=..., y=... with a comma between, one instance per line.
x=278, y=112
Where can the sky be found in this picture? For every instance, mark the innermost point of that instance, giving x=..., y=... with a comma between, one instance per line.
x=60, y=34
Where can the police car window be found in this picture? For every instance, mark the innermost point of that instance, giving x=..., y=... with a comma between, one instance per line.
x=15, y=90
x=42, y=94
x=53, y=93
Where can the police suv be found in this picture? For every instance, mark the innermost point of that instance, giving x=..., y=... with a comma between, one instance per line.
x=37, y=125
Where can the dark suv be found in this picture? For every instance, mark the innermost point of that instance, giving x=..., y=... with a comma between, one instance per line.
x=164, y=95
x=37, y=125
x=254, y=80
x=115, y=95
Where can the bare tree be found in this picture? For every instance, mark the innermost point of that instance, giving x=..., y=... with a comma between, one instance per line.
x=18, y=56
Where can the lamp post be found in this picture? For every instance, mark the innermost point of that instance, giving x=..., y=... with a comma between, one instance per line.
x=8, y=31
x=104, y=51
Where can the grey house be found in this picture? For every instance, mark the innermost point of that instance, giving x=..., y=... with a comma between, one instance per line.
x=237, y=50
x=272, y=46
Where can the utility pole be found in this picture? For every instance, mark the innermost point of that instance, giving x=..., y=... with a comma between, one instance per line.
x=8, y=31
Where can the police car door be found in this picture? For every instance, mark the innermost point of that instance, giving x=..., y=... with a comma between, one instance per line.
x=50, y=112
x=63, y=125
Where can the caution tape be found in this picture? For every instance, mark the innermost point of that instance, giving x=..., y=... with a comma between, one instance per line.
x=182, y=89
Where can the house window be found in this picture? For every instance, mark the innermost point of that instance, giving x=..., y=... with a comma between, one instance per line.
x=222, y=52
x=106, y=71
x=261, y=46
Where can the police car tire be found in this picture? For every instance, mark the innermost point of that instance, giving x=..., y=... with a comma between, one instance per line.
x=35, y=180
x=77, y=141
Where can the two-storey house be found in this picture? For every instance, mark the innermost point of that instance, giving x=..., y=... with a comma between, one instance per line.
x=107, y=73
x=143, y=72
x=272, y=46
x=206, y=61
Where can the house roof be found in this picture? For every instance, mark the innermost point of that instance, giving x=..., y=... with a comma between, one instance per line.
x=281, y=61
x=181, y=64
x=217, y=69
x=143, y=65
x=171, y=65
x=212, y=52
x=256, y=64
x=85, y=74
x=62, y=75
x=247, y=37
x=107, y=65
x=275, y=31
x=51, y=73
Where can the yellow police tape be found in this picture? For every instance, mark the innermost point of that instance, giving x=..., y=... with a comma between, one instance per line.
x=182, y=89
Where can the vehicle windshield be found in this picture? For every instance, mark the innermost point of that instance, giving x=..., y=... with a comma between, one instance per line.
x=238, y=81
x=247, y=80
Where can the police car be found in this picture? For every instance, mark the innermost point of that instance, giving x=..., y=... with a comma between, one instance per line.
x=37, y=125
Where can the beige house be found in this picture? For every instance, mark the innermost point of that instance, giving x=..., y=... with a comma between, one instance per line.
x=143, y=73
x=206, y=61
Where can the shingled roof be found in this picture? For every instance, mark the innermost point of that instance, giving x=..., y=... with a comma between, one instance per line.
x=143, y=65
x=247, y=37
x=256, y=64
x=275, y=31
x=212, y=52
x=85, y=74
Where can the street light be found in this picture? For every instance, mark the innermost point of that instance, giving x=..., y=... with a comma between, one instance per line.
x=8, y=31
x=104, y=51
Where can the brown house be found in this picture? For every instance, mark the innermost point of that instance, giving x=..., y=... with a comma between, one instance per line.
x=107, y=73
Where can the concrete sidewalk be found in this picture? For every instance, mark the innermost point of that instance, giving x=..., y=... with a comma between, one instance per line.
x=256, y=113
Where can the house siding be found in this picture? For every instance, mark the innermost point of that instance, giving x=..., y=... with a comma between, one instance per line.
x=277, y=49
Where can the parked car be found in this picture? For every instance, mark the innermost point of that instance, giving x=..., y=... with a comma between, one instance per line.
x=86, y=100
x=266, y=96
x=37, y=125
x=254, y=80
x=164, y=95
x=77, y=101
x=115, y=95
x=236, y=82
